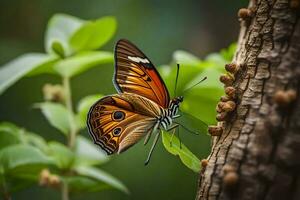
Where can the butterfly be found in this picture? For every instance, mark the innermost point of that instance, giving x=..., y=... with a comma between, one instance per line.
x=141, y=108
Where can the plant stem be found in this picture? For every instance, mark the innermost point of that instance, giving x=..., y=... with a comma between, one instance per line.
x=73, y=129
x=64, y=191
x=68, y=101
x=6, y=194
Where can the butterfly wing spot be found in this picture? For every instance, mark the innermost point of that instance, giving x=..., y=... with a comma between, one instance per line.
x=138, y=59
x=118, y=115
x=117, y=131
x=148, y=79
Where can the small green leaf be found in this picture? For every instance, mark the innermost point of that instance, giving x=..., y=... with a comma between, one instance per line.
x=228, y=52
x=9, y=134
x=101, y=176
x=212, y=80
x=57, y=115
x=35, y=140
x=88, y=153
x=59, y=30
x=22, y=161
x=202, y=102
x=187, y=73
x=185, y=58
x=202, y=99
x=94, y=34
x=58, y=49
x=185, y=155
x=191, y=124
x=19, y=67
x=83, y=184
x=63, y=157
x=15, y=184
x=215, y=60
x=84, y=107
x=81, y=62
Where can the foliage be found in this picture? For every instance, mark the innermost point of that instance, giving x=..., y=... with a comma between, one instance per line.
x=71, y=46
x=174, y=146
x=199, y=101
x=26, y=158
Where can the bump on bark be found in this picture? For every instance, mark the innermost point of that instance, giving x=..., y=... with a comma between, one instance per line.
x=215, y=130
x=285, y=98
x=221, y=116
x=227, y=79
x=231, y=92
x=224, y=98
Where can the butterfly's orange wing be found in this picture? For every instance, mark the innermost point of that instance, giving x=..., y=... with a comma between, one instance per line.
x=119, y=121
x=134, y=73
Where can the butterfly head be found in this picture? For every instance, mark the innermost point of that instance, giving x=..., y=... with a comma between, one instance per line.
x=176, y=101
x=179, y=99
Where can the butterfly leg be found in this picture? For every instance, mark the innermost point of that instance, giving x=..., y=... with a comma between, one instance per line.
x=152, y=147
x=176, y=116
x=150, y=133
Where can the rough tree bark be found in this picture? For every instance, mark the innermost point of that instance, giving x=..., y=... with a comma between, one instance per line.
x=256, y=147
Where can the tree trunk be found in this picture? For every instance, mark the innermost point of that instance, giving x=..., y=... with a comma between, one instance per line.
x=255, y=154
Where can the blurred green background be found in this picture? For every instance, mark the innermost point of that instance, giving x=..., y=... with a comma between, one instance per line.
x=158, y=28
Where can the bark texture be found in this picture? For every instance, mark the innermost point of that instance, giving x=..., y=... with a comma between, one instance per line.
x=257, y=156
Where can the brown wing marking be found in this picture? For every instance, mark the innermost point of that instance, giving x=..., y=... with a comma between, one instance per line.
x=119, y=121
x=134, y=73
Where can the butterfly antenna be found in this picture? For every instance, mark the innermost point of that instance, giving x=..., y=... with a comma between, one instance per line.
x=176, y=80
x=152, y=147
x=186, y=90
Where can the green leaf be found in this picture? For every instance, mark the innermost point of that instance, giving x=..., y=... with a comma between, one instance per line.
x=83, y=184
x=57, y=115
x=19, y=67
x=187, y=73
x=212, y=80
x=101, y=176
x=15, y=184
x=185, y=58
x=35, y=140
x=22, y=161
x=190, y=123
x=58, y=49
x=83, y=108
x=185, y=155
x=81, y=62
x=9, y=134
x=215, y=61
x=94, y=34
x=63, y=157
x=202, y=99
x=88, y=153
x=228, y=53
x=60, y=28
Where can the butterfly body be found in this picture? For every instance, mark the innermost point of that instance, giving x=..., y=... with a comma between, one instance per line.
x=169, y=114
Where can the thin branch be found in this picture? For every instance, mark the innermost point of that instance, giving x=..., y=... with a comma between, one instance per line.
x=71, y=117
x=73, y=129
x=65, y=191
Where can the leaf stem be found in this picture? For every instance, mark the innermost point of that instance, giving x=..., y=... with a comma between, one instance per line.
x=73, y=129
x=6, y=194
x=71, y=117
